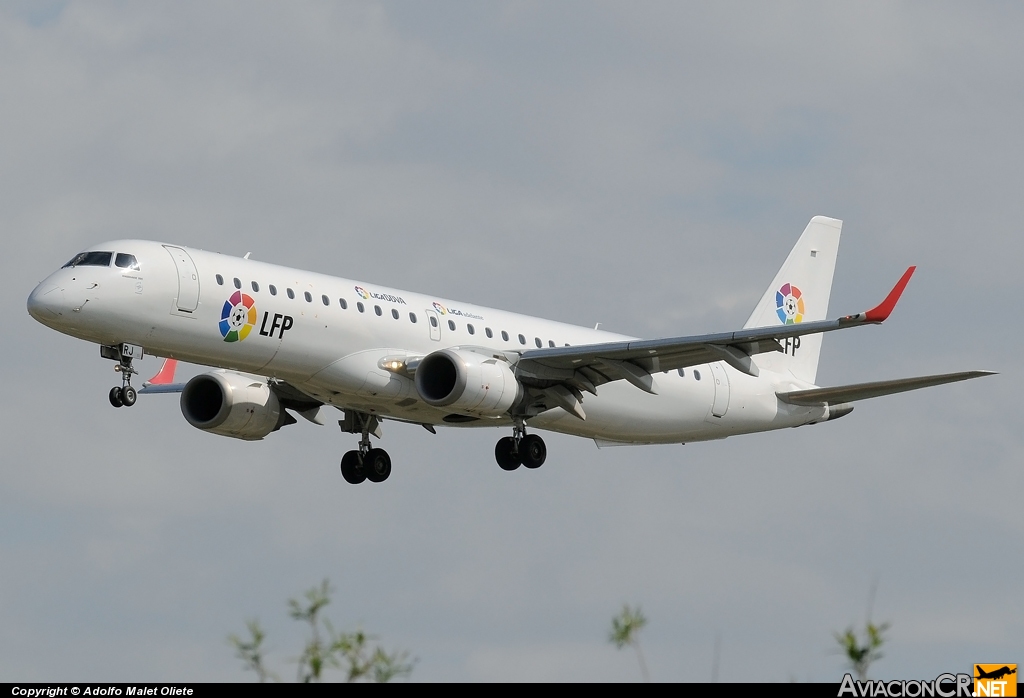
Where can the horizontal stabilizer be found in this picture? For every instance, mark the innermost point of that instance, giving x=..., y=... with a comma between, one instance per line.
x=863, y=391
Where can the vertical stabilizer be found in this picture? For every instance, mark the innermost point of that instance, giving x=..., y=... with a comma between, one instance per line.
x=800, y=293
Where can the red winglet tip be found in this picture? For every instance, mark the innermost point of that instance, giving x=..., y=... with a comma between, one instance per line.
x=165, y=375
x=881, y=311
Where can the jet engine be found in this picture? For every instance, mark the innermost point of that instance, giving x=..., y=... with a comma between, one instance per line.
x=467, y=382
x=230, y=404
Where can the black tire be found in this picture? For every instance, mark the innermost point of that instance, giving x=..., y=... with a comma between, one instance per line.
x=115, y=397
x=128, y=395
x=377, y=465
x=506, y=455
x=533, y=451
x=351, y=470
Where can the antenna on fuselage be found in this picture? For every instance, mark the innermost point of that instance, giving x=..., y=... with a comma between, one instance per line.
x=247, y=255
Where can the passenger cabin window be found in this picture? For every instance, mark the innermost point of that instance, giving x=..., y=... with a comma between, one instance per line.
x=238, y=284
x=412, y=318
x=487, y=331
x=550, y=343
x=90, y=259
x=255, y=287
x=220, y=280
x=470, y=329
x=682, y=373
x=451, y=325
x=126, y=261
x=433, y=321
x=394, y=313
x=377, y=310
x=536, y=340
x=522, y=339
x=343, y=303
x=273, y=289
x=504, y=335
x=309, y=296
x=359, y=307
x=326, y=300
x=696, y=375
x=291, y=294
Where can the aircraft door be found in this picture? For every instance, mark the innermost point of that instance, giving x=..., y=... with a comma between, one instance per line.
x=188, y=281
x=434, y=323
x=721, y=403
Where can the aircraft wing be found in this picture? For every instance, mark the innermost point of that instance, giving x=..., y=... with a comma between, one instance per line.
x=163, y=381
x=863, y=391
x=152, y=389
x=587, y=366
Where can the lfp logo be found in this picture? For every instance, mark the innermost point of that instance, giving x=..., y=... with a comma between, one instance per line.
x=238, y=317
x=440, y=308
x=789, y=304
x=363, y=293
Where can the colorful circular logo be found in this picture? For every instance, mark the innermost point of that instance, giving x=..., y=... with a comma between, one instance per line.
x=362, y=292
x=789, y=304
x=440, y=308
x=238, y=317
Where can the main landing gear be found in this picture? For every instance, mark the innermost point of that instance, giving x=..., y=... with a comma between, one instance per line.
x=520, y=449
x=366, y=463
x=125, y=396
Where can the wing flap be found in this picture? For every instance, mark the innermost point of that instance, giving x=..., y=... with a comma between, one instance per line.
x=864, y=391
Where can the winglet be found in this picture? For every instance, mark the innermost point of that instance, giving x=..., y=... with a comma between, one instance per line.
x=165, y=375
x=881, y=311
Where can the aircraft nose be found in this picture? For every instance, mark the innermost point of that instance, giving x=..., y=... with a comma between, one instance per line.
x=45, y=302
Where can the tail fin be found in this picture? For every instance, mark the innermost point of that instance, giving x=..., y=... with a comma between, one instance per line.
x=799, y=293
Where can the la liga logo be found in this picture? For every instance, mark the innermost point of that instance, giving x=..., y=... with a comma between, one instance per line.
x=440, y=308
x=362, y=292
x=789, y=304
x=237, y=317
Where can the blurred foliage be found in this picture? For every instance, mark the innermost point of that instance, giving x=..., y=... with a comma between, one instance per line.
x=355, y=654
x=861, y=656
x=625, y=632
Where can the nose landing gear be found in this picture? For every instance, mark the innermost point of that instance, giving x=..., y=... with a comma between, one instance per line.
x=125, y=396
x=520, y=449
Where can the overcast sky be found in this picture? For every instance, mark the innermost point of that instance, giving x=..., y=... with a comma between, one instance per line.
x=645, y=165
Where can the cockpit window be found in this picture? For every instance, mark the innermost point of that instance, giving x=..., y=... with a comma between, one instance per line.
x=126, y=261
x=90, y=259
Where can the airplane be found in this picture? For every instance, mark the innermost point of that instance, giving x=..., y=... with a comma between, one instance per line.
x=285, y=341
x=995, y=674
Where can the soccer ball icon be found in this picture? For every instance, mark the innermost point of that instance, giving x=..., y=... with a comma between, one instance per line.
x=789, y=304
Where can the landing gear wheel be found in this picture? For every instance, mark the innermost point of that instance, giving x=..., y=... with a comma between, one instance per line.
x=533, y=451
x=128, y=395
x=506, y=454
x=377, y=465
x=115, y=397
x=351, y=469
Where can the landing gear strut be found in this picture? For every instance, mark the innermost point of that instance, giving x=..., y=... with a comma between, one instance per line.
x=366, y=463
x=520, y=449
x=125, y=396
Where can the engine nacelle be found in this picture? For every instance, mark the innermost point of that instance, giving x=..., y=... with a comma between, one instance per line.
x=230, y=404
x=467, y=382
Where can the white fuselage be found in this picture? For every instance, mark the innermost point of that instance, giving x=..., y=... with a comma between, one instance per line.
x=172, y=305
